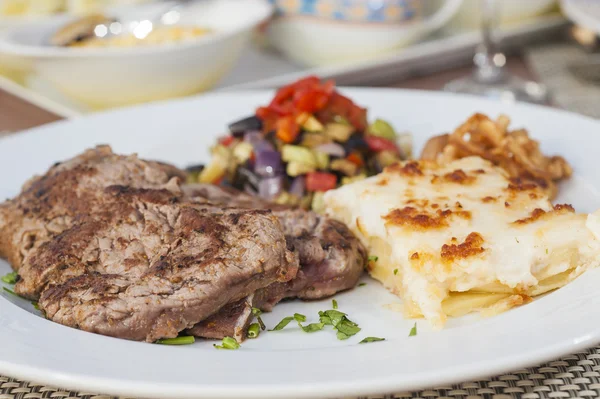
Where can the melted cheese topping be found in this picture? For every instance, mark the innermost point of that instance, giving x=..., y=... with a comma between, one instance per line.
x=464, y=226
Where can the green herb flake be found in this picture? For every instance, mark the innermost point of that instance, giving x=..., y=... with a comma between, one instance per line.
x=371, y=339
x=299, y=317
x=312, y=327
x=10, y=278
x=334, y=303
x=256, y=311
x=283, y=323
x=413, y=331
x=228, y=343
x=183, y=340
x=253, y=330
x=348, y=327
x=362, y=284
x=395, y=271
x=36, y=306
x=341, y=336
x=373, y=258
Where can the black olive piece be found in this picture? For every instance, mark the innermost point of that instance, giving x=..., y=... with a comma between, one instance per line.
x=355, y=142
x=238, y=128
x=195, y=168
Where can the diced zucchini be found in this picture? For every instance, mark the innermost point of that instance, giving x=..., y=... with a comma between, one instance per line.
x=309, y=122
x=387, y=158
x=318, y=204
x=338, y=131
x=322, y=159
x=306, y=201
x=341, y=119
x=192, y=177
x=312, y=140
x=383, y=129
x=348, y=180
x=286, y=198
x=405, y=144
x=294, y=168
x=296, y=153
x=242, y=152
x=214, y=170
x=344, y=166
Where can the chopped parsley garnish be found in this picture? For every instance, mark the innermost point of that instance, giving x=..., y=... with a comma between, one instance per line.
x=362, y=284
x=10, y=278
x=257, y=312
x=253, y=330
x=36, y=306
x=299, y=317
x=334, y=303
x=183, y=340
x=371, y=339
x=228, y=343
x=340, y=322
x=283, y=323
x=395, y=271
x=312, y=327
x=373, y=258
x=413, y=331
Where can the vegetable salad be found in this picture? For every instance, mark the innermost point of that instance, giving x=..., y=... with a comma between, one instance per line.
x=307, y=140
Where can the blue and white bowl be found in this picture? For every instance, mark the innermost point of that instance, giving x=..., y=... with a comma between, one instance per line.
x=376, y=11
x=325, y=32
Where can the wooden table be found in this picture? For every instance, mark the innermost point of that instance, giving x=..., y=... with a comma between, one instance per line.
x=17, y=114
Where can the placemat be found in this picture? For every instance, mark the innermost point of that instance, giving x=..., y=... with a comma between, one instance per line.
x=574, y=376
x=551, y=65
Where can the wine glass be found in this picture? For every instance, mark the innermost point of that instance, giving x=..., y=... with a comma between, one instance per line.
x=490, y=78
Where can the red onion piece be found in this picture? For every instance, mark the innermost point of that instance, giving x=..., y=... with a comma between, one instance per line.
x=332, y=149
x=268, y=163
x=297, y=187
x=270, y=187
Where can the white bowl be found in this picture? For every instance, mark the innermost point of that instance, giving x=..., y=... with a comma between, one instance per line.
x=109, y=77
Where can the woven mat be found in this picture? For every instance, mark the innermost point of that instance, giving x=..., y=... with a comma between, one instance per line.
x=550, y=64
x=574, y=376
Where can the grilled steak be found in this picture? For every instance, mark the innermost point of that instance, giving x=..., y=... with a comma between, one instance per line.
x=331, y=259
x=48, y=204
x=117, y=249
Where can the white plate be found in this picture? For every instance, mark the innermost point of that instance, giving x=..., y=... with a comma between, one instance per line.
x=291, y=363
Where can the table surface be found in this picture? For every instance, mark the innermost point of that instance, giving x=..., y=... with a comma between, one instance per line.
x=17, y=114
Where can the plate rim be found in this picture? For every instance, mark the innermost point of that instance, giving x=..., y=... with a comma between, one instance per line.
x=124, y=387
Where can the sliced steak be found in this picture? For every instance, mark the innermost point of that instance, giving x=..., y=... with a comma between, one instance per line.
x=331, y=257
x=139, y=261
x=48, y=204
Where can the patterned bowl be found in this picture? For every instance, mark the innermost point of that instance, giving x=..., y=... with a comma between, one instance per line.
x=325, y=32
x=392, y=11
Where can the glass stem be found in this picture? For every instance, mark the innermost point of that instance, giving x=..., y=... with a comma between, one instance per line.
x=489, y=62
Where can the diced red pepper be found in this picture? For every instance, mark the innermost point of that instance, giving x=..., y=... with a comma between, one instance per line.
x=287, y=129
x=340, y=105
x=356, y=159
x=378, y=144
x=218, y=180
x=226, y=141
x=310, y=100
x=320, y=181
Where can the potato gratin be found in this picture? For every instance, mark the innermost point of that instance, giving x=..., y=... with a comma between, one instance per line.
x=464, y=236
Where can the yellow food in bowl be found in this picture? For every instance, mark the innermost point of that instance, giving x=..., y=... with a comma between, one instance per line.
x=160, y=35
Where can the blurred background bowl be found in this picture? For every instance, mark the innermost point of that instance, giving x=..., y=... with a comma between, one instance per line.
x=510, y=12
x=324, y=32
x=109, y=77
